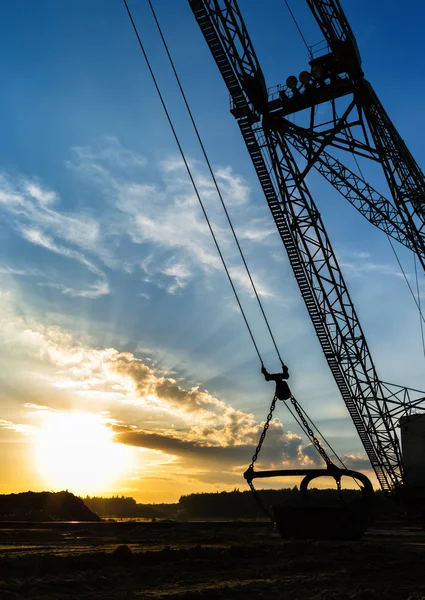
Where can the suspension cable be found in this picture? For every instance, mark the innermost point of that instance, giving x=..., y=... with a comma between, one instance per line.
x=299, y=29
x=213, y=177
x=419, y=303
x=164, y=106
x=421, y=315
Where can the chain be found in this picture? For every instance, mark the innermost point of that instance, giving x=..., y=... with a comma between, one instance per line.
x=264, y=433
x=311, y=435
x=255, y=456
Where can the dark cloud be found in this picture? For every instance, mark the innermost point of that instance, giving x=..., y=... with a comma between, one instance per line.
x=120, y=428
x=165, y=388
x=356, y=463
x=126, y=364
x=279, y=451
x=312, y=455
x=191, y=401
x=189, y=449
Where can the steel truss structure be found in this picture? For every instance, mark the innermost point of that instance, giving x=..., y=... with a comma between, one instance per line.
x=361, y=128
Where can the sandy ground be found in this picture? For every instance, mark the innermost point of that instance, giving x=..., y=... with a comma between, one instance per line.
x=205, y=560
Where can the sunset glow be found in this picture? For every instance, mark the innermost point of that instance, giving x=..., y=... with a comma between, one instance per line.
x=76, y=451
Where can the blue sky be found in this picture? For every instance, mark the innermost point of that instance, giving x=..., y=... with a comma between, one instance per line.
x=108, y=276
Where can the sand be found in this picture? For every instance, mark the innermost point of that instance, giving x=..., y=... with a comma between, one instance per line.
x=205, y=560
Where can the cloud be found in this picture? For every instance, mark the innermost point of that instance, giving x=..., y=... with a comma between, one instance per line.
x=180, y=272
x=187, y=422
x=358, y=264
x=28, y=207
x=181, y=430
x=42, y=196
x=241, y=277
x=24, y=429
x=109, y=150
x=148, y=225
x=36, y=407
x=32, y=203
x=198, y=453
x=234, y=189
x=100, y=286
x=6, y=269
x=163, y=216
x=214, y=430
x=258, y=230
x=145, y=224
x=356, y=462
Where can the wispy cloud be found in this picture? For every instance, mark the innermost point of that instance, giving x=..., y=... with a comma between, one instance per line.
x=164, y=215
x=147, y=224
x=109, y=151
x=100, y=286
x=22, y=428
x=359, y=264
x=6, y=269
x=29, y=207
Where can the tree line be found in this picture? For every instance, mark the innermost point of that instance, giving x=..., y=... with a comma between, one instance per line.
x=222, y=505
x=127, y=507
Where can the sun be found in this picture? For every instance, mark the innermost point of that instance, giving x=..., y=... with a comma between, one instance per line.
x=76, y=451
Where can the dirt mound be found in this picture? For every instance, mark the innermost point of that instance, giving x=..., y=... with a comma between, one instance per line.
x=44, y=506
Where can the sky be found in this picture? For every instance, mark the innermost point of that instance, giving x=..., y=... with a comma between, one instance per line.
x=126, y=366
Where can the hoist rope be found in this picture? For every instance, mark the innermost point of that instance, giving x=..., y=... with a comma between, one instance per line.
x=213, y=177
x=164, y=106
x=299, y=28
x=142, y=48
x=217, y=187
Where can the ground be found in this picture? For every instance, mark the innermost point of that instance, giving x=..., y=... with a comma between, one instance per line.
x=176, y=561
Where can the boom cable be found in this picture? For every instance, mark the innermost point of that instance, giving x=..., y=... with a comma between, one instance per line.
x=142, y=48
x=213, y=177
x=299, y=29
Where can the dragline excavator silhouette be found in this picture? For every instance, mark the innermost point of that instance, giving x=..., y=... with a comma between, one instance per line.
x=352, y=123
